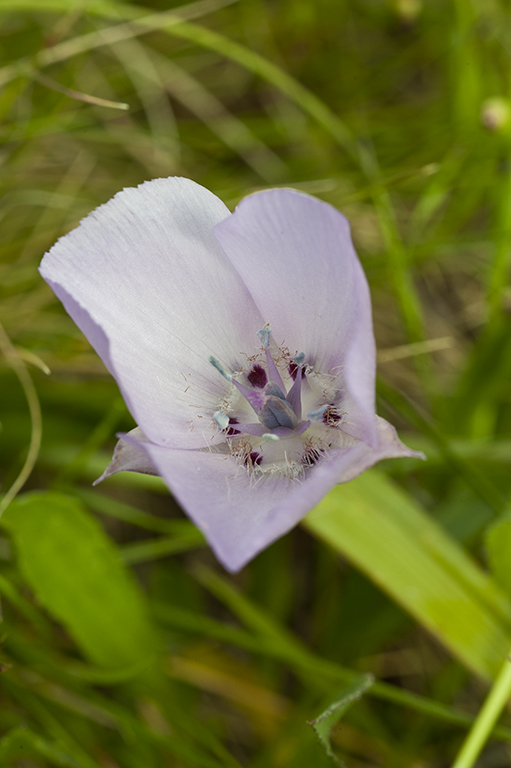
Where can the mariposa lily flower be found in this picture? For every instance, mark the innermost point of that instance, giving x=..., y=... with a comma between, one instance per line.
x=242, y=344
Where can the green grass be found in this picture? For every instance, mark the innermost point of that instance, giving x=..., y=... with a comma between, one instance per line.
x=380, y=108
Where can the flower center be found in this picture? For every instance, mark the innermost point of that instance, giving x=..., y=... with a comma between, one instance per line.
x=297, y=409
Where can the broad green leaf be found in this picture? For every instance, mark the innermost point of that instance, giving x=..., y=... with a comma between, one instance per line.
x=324, y=724
x=386, y=534
x=77, y=574
x=21, y=744
x=498, y=546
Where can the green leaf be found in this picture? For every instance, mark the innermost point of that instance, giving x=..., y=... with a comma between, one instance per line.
x=152, y=549
x=77, y=574
x=326, y=722
x=386, y=534
x=95, y=8
x=21, y=744
x=498, y=547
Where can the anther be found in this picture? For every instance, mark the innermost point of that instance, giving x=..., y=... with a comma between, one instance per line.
x=318, y=414
x=221, y=420
x=214, y=362
x=264, y=335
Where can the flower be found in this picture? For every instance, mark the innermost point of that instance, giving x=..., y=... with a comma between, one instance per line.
x=242, y=344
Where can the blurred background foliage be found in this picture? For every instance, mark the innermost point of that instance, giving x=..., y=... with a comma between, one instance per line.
x=124, y=644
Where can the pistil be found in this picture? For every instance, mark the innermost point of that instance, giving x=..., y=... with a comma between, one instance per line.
x=294, y=396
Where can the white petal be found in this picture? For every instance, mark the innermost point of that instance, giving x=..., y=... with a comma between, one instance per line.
x=147, y=282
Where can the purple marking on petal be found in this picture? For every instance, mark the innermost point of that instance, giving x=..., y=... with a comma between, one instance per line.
x=332, y=416
x=230, y=431
x=257, y=376
x=311, y=457
x=253, y=459
x=293, y=370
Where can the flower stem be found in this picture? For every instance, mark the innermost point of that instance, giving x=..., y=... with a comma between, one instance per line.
x=486, y=719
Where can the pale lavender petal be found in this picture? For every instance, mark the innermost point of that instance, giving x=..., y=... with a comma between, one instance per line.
x=296, y=257
x=162, y=280
x=241, y=514
x=145, y=272
x=129, y=457
x=389, y=447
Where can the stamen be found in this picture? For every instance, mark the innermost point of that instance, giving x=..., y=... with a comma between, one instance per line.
x=221, y=420
x=318, y=414
x=249, y=429
x=214, y=362
x=294, y=396
x=270, y=436
x=264, y=335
